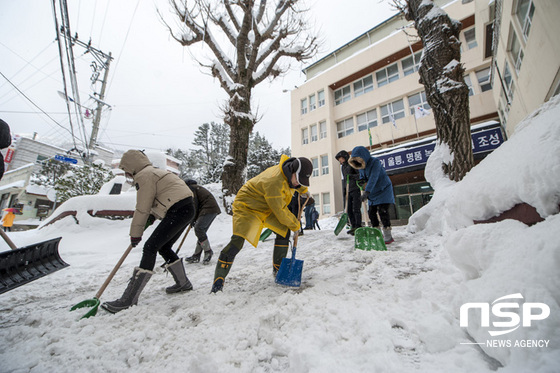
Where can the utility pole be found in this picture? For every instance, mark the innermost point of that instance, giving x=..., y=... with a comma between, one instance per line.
x=100, y=103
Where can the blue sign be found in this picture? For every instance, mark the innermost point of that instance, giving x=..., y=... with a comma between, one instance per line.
x=65, y=159
x=482, y=141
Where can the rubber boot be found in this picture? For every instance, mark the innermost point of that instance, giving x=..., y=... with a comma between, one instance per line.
x=182, y=282
x=387, y=235
x=195, y=258
x=280, y=252
x=225, y=261
x=207, y=252
x=139, y=279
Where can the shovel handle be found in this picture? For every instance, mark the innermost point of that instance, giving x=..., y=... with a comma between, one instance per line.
x=299, y=219
x=7, y=239
x=183, y=240
x=112, y=274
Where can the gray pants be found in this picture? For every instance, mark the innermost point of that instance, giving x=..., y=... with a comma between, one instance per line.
x=202, y=225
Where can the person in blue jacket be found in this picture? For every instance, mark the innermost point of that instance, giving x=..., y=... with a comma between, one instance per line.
x=378, y=190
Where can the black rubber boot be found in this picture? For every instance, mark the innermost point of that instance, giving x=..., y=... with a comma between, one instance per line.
x=182, y=282
x=139, y=279
x=207, y=252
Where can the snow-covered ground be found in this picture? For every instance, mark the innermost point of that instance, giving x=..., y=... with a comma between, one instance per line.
x=356, y=311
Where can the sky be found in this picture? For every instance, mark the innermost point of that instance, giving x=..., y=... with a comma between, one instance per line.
x=356, y=311
x=158, y=95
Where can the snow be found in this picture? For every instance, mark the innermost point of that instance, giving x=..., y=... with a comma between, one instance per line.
x=356, y=311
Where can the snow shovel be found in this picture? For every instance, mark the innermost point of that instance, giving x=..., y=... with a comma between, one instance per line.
x=94, y=302
x=264, y=235
x=22, y=265
x=344, y=218
x=369, y=238
x=290, y=270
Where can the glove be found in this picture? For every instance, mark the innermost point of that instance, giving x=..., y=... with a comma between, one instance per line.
x=150, y=221
x=361, y=183
x=365, y=196
x=135, y=241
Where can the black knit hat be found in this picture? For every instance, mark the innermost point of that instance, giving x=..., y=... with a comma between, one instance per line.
x=342, y=154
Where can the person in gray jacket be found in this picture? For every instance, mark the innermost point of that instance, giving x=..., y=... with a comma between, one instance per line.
x=162, y=195
x=206, y=211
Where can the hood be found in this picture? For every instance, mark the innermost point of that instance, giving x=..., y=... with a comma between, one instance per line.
x=360, y=157
x=133, y=161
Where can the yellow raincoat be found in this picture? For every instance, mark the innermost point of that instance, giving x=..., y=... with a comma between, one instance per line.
x=263, y=202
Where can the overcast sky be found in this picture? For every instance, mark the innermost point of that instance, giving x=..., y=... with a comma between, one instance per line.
x=159, y=95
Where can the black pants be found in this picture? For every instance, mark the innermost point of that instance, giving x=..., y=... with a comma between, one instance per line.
x=354, y=209
x=383, y=215
x=178, y=217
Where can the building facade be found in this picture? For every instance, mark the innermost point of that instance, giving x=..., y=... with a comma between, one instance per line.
x=368, y=93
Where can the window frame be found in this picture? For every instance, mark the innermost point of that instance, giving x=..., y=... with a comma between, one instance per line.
x=303, y=106
x=470, y=41
x=399, y=114
x=304, y=136
x=415, y=58
x=364, y=88
x=525, y=20
x=313, y=138
x=484, y=81
x=370, y=118
x=321, y=101
x=343, y=97
x=315, y=164
x=312, y=102
x=322, y=125
x=324, y=167
x=326, y=203
x=389, y=78
x=346, y=131
x=422, y=102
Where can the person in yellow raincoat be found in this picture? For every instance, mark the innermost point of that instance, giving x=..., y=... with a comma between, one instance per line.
x=8, y=221
x=263, y=203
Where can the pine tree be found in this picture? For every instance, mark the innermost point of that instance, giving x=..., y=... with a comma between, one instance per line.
x=50, y=172
x=82, y=180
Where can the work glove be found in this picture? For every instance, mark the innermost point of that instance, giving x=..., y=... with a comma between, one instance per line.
x=150, y=221
x=365, y=196
x=135, y=241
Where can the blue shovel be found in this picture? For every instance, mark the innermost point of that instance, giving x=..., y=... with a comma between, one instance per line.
x=290, y=270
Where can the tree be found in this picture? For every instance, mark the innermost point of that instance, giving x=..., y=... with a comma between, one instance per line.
x=441, y=73
x=261, y=155
x=262, y=39
x=51, y=171
x=82, y=180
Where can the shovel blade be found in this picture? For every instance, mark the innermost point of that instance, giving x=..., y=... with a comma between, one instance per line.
x=367, y=238
x=93, y=303
x=289, y=273
x=341, y=223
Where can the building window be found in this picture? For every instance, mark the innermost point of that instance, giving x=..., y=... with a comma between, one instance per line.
x=326, y=203
x=323, y=130
x=469, y=84
x=324, y=165
x=345, y=127
x=366, y=120
x=364, y=85
x=470, y=38
x=315, y=162
x=411, y=64
x=508, y=83
x=484, y=81
x=342, y=95
x=418, y=99
x=304, y=136
x=312, y=105
x=321, y=98
x=516, y=52
x=304, y=106
x=387, y=75
x=525, y=11
x=392, y=111
x=313, y=129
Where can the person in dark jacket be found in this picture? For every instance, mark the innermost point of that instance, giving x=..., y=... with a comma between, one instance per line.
x=206, y=211
x=5, y=141
x=163, y=195
x=354, y=202
x=378, y=191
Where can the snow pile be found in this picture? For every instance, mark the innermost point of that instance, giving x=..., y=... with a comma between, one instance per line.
x=356, y=311
x=525, y=169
